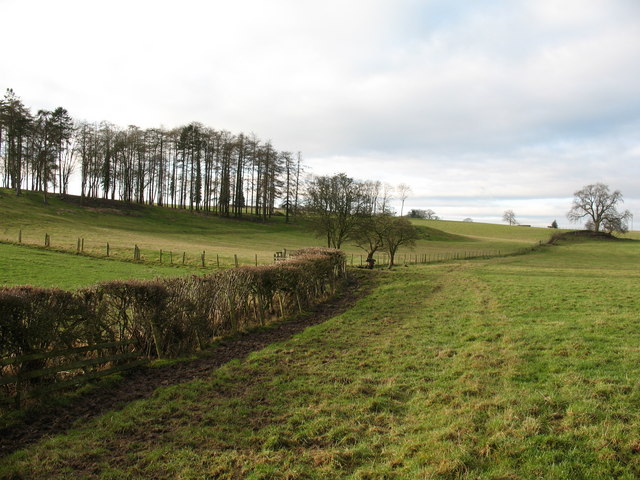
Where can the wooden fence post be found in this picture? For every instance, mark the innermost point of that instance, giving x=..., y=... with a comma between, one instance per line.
x=107, y=249
x=235, y=258
x=20, y=236
x=203, y=259
x=160, y=256
x=218, y=260
x=184, y=257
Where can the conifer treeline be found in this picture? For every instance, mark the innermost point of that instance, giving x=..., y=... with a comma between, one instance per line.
x=193, y=166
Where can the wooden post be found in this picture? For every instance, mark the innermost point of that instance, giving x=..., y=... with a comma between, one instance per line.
x=256, y=259
x=170, y=257
x=235, y=258
x=218, y=260
x=160, y=256
x=203, y=259
x=20, y=236
x=78, y=247
x=107, y=249
x=184, y=257
x=82, y=245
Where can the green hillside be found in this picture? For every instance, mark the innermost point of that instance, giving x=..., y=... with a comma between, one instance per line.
x=181, y=233
x=506, y=368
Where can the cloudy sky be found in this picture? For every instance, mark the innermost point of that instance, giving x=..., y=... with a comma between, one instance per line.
x=480, y=106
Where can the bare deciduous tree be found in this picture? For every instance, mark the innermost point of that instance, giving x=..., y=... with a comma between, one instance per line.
x=335, y=204
x=369, y=234
x=597, y=204
x=399, y=231
x=404, y=191
x=509, y=217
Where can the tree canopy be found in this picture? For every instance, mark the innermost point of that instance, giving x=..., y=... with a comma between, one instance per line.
x=509, y=217
x=192, y=166
x=598, y=205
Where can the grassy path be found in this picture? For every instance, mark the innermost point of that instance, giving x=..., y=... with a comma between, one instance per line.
x=511, y=368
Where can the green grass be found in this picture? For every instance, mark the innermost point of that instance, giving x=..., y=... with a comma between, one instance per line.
x=509, y=368
x=151, y=228
x=21, y=265
x=183, y=232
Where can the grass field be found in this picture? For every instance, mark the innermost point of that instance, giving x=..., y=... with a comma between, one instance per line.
x=507, y=368
x=182, y=232
x=29, y=266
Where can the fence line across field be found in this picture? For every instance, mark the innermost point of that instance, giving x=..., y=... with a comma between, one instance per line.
x=234, y=260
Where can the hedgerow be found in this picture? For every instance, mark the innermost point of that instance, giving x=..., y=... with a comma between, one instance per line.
x=165, y=317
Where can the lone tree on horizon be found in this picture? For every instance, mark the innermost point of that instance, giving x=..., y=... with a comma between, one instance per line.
x=509, y=217
x=598, y=205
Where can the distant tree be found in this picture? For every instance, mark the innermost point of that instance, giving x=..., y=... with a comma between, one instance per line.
x=62, y=126
x=430, y=214
x=509, y=217
x=289, y=169
x=554, y=224
x=15, y=127
x=597, y=204
x=44, y=152
x=617, y=223
x=335, y=204
x=468, y=220
x=369, y=234
x=423, y=214
x=404, y=191
x=398, y=232
x=296, y=191
x=384, y=203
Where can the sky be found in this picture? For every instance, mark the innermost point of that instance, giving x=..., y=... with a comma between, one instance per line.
x=479, y=106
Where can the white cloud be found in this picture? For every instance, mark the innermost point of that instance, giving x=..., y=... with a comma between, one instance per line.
x=476, y=100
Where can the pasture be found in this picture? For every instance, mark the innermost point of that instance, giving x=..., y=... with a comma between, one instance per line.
x=505, y=368
x=181, y=233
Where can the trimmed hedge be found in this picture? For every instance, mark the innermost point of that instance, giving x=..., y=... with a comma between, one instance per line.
x=166, y=317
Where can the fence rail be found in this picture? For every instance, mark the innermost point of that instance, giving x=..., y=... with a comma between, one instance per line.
x=31, y=377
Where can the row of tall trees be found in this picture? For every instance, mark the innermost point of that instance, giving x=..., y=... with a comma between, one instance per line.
x=193, y=166
x=36, y=149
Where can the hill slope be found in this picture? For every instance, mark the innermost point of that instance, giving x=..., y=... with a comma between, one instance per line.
x=518, y=367
x=180, y=233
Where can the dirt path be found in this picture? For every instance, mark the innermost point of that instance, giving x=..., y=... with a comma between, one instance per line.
x=142, y=382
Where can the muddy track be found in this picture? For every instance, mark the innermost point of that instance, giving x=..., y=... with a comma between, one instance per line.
x=141, y=383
